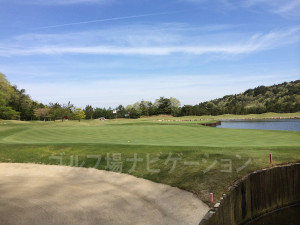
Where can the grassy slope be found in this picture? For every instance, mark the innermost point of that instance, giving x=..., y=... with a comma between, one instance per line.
x=36, y=141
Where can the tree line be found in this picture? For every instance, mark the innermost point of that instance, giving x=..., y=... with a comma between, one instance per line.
x=280, y=98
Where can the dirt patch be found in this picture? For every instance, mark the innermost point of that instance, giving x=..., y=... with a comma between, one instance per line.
x=50, y=195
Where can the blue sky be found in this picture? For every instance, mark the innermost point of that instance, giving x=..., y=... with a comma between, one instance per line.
x=111, y=52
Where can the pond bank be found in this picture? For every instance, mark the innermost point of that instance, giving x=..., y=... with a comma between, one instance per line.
x=267, y=118
x=228, y=119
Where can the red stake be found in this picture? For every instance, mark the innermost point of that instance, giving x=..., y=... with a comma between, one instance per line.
x=211, y=198
x=271, y=159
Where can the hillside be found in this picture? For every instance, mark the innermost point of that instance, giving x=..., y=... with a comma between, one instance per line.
x=280, y=98
x=14, y=102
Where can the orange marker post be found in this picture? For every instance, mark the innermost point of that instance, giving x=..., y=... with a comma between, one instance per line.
x=271, y=159
x=211, y=200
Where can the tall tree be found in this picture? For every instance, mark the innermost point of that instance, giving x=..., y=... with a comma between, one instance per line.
x=121, y=111
x=7, y=112
x=164, y=105
x=78, y=114
x=42, y=113
x=89, y=111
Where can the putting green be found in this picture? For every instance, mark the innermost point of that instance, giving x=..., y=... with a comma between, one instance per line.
x=162, y=135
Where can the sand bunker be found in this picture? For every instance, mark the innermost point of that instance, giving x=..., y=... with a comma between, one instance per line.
x=55, y=195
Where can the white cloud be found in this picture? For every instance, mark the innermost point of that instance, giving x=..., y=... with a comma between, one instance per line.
x=143, y=42
x=111, y=19
x=290, y=7
x=285, y=8
x=168, y=49
x=139, y=34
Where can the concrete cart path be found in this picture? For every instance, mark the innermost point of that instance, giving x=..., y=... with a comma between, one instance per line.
x=33, y=194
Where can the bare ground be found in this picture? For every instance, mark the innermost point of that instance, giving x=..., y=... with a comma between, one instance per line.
x=33, y=194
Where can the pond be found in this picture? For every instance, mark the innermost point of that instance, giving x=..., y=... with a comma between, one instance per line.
x=266, y=124
x=289, y=216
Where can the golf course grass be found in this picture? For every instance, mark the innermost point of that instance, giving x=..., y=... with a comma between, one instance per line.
x=183, y=154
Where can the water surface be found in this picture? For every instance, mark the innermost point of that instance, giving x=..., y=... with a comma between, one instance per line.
x=266, y=124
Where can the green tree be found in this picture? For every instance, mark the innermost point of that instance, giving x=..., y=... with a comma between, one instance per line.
x=187, y=110
x=121, y=111
x=89, y=111
x=7, y=112
x=100, y=112
x=133, y=114
x=8, y=92
x=175, y=104
x=163, y=105
x=16, y=99
x=145, y=108
x=78, y=114
x=56, y=111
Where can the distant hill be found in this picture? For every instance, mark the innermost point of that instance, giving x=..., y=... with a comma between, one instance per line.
x=280, y=98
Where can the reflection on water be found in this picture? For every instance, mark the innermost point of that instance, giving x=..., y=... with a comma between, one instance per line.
x=289, y=216
x=268, y=124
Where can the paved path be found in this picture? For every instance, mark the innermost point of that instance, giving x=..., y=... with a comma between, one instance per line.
x=55, y=195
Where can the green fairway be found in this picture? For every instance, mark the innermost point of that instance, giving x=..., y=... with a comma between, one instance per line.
x=183, y=154
x=135, y=132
